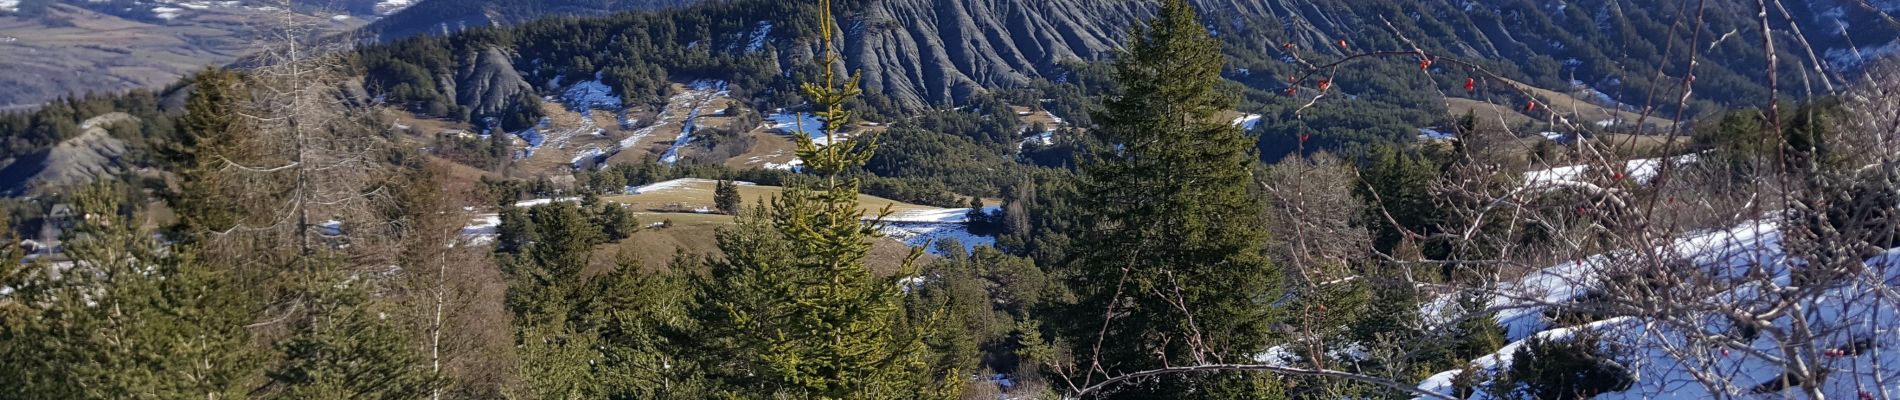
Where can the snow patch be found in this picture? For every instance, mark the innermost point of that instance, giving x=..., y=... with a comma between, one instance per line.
x=166, y=13
x=387, y=7
x=543, y=202
x=920, y=234
x=1753, y=247
x=936, y=215
x=1639, y=169
x=590, y=95
x=1247, y=122
x=759, y=37
x=800, y=124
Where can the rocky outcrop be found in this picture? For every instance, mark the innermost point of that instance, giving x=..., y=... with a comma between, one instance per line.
x=938, y=51
x=487, y=81
x=75, y=161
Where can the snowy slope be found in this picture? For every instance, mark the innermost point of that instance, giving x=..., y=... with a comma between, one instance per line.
x=1662, y=358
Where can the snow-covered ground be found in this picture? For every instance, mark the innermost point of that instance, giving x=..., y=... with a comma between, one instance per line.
x=759, y=37
x=387, y=7
x=800, y=124
x=1854, y=311
x=1641, y=170
x=1247, y=122
x=590, y=95
x=9, y=5
x=539, y=202
x=1433, y=134
x=931, y=234
x=677, y=184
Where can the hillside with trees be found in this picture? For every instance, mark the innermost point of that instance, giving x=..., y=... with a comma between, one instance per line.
x=883, y=199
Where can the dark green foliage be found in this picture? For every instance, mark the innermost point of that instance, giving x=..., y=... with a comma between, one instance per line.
x=987, y=299
x=792, y=310
x=643, y=327
x=211, y=131
x=133, y=318
x=616, y=221
x=1170, y=223
x=1737, y=141
x=27, y=132
x=1397, y=183
x=726, y=197
x=523, y=112
x=1578, y=367
x=542, y=252
x=345, y=348
x=489, y=153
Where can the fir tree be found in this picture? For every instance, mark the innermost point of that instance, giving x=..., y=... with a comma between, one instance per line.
x=1397, y=184
x=1172, y=244
x=345, y=348
x=792, y=309
x=130, y=318
x=726, y=197
x=211, y=131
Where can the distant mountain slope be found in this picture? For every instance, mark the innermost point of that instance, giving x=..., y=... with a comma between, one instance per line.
x=441, y=16
x=934, y=51
x=53, y=49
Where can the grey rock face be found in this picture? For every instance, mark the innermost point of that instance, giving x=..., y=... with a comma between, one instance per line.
x=487, y=82
x=75, y=161
x=937, y=51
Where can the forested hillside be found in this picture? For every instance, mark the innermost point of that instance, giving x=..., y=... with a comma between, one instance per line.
x=999, y=199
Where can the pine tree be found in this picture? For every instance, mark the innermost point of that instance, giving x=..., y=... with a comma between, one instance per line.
x=1173, y=242
x=792, y=310
x=131, y=317
x=726, y=197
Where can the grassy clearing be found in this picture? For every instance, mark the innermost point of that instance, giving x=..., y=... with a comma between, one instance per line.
x=698, y=194
x=695, y=236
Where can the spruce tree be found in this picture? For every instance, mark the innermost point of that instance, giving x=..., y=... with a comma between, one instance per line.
x=1397, y=184
x=542, y=252
x=1172, y=243
x=128, y=318
x=792, y=311
x=726, y=197
x=210, y=132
